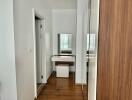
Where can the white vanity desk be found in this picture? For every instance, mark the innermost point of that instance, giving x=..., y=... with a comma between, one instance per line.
x=63, y=58
x=62, y=63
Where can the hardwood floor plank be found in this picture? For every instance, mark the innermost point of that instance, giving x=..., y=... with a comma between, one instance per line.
x=62, y=89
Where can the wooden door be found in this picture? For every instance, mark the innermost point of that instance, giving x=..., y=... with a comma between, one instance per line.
x=114, y=81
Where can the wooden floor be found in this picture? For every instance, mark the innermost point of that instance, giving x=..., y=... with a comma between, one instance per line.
x=62, y=89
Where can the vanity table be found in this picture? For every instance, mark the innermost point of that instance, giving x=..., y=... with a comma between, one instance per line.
x=62, y=64
x=63, y=59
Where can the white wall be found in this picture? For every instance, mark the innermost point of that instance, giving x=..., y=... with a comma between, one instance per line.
x=62, y=4
x=24, y=43
x=64, y=21
x=48, y=48
x=81, y=6
x=7, y=52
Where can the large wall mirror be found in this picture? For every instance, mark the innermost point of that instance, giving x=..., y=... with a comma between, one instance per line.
x=92, y=48
x=65, y=42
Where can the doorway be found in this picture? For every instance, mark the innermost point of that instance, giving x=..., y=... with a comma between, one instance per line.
x=38, y=32
x=39, y=52
x=84, y=81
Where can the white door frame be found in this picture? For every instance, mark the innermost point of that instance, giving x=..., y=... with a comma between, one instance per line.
x=41, y=17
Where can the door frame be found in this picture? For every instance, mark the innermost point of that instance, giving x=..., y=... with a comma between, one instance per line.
x=35, y=13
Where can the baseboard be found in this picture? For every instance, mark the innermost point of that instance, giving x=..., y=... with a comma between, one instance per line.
x=50, y=75
x=40, y=89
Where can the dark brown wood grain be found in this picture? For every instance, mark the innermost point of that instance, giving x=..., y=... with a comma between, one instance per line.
x=114, y=81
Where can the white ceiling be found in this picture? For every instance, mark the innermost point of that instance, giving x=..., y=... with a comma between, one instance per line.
x=62, y=4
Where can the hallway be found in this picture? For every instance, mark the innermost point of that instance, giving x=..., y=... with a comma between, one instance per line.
x=62, y=89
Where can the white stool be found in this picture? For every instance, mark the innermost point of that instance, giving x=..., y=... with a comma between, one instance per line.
x=62, y=70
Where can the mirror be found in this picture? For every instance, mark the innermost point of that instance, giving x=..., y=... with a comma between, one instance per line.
x=65, y=43
x=92, y=47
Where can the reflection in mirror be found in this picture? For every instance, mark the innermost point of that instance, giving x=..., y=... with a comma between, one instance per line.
x=64, y=43
x=91, y=44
